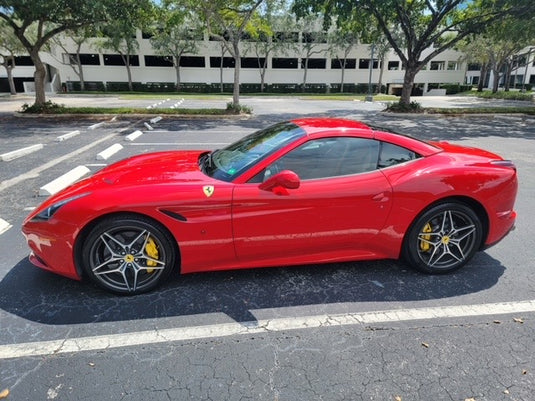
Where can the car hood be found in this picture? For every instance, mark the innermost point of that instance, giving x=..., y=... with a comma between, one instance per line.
x=160, y=167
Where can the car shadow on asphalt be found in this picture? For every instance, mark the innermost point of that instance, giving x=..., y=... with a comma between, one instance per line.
x=46, y=298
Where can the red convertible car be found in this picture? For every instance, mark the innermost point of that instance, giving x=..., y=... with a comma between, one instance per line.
x=305, y=191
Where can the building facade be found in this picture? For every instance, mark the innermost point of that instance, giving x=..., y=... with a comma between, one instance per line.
x=213, y=66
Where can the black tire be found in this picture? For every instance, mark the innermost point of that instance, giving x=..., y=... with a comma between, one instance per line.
x=443, y=238
x=128, y=255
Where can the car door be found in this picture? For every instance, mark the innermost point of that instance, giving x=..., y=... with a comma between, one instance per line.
x=340, y=205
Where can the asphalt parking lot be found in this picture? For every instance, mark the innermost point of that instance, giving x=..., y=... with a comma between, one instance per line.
x=347, y=331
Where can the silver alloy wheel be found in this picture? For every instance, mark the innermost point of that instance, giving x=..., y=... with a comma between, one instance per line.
x=443, y=238
x=127, y=256
x=447, y=239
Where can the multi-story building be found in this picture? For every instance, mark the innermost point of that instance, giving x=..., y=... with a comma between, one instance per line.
x=204, y=67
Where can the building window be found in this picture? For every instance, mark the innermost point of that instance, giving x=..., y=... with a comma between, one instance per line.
x=252, y=62
x=158, y=61
x=437, y=65
x=314, y=63
x=228, y=62
x=23, y=60
x=117, y=59
x=364, y=63
x=453, y=65
x=290, y=37
x=313, y=37
x=85, y=58
x=192, y=61
x=338, y=64
x=393, y=65
x=284, y=62
x=474, y=67
x=532, y=79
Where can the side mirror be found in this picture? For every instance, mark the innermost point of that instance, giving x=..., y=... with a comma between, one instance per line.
x=281, y=182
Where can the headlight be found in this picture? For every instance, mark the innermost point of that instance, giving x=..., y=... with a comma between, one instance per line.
x=47, y=213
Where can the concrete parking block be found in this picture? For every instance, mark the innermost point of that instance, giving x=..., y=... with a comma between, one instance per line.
x=4, y=226
x=133, y=136
x=106, y=154
x=67, y=136
x=155, y=119
x=20, y=152
x=63, y=181
x=97, y=125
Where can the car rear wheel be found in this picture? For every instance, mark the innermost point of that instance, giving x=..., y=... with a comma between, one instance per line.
x=128, y=255
x=443, y=238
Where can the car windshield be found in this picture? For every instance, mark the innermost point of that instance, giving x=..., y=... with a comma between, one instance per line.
x=228, y=163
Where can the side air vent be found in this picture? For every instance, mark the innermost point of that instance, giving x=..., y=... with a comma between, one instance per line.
x=174, y=215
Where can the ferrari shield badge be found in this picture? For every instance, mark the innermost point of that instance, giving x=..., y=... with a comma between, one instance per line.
x=208, y=190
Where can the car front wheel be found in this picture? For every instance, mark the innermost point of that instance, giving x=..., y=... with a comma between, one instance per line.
x=443, y=238
x=128, y=255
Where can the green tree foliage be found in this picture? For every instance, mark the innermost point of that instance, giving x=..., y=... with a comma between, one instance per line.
x=52, y=17
x=424, y=25
x=175, y=33
x=227, y=21
x=10, y=47
x=271, y=33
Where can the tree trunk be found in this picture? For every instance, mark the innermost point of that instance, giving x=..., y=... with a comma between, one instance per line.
x=381, y=72
x=237, y=65
x=496, y=79
x=177, y=70
x=482, y=77
x=129, y=73
x=305, y=73
x=9, y=71
x=39, y=78
x=263, y=74
x=81, y=75
x=408, y=83
x=507, y=79
x=342, y=78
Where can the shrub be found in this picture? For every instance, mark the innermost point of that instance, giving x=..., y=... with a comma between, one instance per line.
x=412, y=107
x=47, y=108
x=238, y=109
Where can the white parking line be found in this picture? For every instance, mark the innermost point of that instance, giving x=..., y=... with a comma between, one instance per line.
x=110, y=341
x=4, y=226
x=63, y=181
x=20, y=152
x=36, y=171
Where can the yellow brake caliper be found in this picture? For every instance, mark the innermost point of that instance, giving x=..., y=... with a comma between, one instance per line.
x=152, y=251
x=424, y=244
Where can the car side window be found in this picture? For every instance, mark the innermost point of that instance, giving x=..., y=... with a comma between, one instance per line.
x=392, y=154
x=328, y=157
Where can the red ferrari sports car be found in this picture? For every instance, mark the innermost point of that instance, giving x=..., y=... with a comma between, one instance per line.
x=305, y=191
